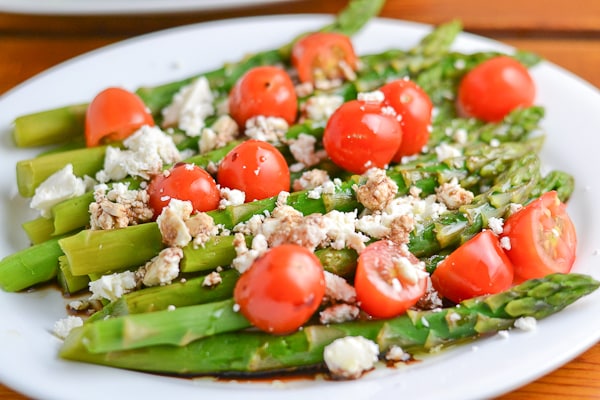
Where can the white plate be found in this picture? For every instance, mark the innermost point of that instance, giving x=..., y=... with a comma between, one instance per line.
x=93, y=7
x=28, y=360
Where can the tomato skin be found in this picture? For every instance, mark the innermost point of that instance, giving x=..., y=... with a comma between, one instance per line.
x=478, y=267
x=184, y=182
x=282, y=289
x=542, y=238
x=317, y=56
x=113, y=115
x=374, y=290
x=414, y=106
x=494, y=88
x=264, y=90
x=360, y=135
x=256, y=168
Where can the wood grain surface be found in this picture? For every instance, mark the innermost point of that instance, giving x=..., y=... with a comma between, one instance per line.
x=566, y=33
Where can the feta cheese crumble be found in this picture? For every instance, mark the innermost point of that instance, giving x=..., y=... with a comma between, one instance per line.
x=349, y=357
x=113, y=286
x=60, y=186
x=64, y=326
x=190, y=107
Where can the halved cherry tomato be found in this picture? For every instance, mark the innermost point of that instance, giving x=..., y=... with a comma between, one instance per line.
x=282, y=289
x=184, y=182
x=360, y=135
x=387, y=280
x=494, y=88
x=318, y=55
x=414, y=107
x=542, y=238
x=256, y=168
x=265, y=90
x=478, y=267
x=113, y=115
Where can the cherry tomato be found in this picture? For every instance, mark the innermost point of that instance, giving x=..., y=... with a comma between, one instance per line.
x=318, y=55
x=360, y=135
x=414, y=107
x=478, y=267
x=494, y=88
x=282, y=289
x=265, y=90
x=542, y=238
x=184, y=182
x=256, y=168
x=113, y=115
x=385, y=286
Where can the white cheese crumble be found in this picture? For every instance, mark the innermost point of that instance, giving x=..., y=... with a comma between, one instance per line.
x=349, y=357
x=322, y=106
x=303, y=150
x=397, y=354
x=163, y=268
x=526, y=323
x=266, y=129
x=190, y=107
x=171, y=223
x=496, y=225
x=445, y=151
x=231, y=197
x=375, y=96
x=146, y=152
x=505, y=243
x=64, y=326
x=113, y=286
x=61, y=185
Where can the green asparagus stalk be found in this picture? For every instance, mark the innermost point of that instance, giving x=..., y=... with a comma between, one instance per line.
x=69, y=283
x=93, y=251
x=39, y=230
x=31, y=173
x=36, y=264
x=252, y=352
x=49, y=127
x=178, y=294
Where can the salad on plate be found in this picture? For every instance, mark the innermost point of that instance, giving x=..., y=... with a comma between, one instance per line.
x=306, y=208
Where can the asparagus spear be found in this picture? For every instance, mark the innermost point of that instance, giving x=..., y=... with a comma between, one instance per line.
x=251, y=352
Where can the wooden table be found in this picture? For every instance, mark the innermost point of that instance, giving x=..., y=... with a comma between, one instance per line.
x=565, y=32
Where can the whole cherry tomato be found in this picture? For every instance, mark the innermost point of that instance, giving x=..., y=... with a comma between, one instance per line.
x=478, y=267
x=256, y=168
x=265, y=90
x=184, y=182
x=113, y=115
x=282, y=289
x=414, y=108
x=494, y=88
x=318, y=56
x=360, y=135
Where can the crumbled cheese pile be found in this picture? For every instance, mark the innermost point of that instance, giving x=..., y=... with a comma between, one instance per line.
x=190, y=107
x=349, y=357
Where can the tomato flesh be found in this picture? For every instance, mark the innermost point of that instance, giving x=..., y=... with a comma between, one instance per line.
x=385, y=285
x=542, y=238
x=317, y=56
x=186, y=182
x=494, y=88
x=266, y=91
x=256, y=168
x=414, y=107
x=478, y=267
x=360, y=135
x=114, y=114
x=282, y=289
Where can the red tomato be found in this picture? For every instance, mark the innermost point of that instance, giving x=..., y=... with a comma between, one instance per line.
x=113, y=115
x=184, y=182
x=360, y=135
x=318, y=55
x=267, y=91
x=494, y=88
x=282, y=289
x=477, y=267
x=384, y=289
x=414, y=107
x=256, y=168
x=542, y=238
